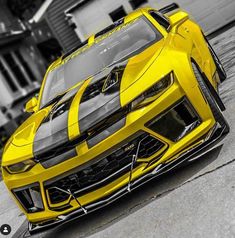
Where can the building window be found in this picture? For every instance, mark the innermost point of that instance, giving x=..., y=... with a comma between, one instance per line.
x=8, y=78
x=50, y=50
x=117, y=14
x=137, y=3
x=25, y=65
x=15, y=69
x=3, y=137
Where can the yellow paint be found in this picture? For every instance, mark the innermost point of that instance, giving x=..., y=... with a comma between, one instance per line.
x=73, y=127
x=91, y=40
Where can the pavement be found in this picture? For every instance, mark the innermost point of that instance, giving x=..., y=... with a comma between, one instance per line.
x=195, y=201
x=9, y=212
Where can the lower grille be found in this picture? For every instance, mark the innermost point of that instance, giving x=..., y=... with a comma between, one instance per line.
x=105, y=170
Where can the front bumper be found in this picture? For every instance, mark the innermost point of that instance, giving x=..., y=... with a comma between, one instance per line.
x=216, y=134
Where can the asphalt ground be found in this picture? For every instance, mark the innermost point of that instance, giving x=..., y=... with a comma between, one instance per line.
x=194, y=201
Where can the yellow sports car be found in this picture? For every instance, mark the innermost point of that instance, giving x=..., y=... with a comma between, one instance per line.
x=134, y=101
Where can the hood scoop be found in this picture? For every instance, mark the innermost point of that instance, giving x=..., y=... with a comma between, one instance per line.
x=113, y=80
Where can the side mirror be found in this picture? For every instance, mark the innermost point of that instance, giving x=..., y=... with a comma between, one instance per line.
x=31, y=105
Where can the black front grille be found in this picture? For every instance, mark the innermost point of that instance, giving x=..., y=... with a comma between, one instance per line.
x=149, y=146
x=105, y=170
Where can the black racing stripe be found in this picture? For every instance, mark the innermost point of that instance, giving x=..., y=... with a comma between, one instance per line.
x=59, y=158
x=106, y=133
x=97, y=104
x=53, y=131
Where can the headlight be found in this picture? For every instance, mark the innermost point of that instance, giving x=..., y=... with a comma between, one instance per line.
x=152, y=93
x=20, y=167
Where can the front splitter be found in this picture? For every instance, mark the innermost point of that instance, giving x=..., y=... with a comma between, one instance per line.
x=209, y=142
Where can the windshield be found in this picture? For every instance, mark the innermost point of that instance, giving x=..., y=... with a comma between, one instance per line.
x=119, y=44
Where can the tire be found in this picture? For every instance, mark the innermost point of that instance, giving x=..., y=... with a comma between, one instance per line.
x=219, y=67
x=209, y=98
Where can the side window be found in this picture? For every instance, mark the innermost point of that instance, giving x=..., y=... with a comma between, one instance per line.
x=160, y=18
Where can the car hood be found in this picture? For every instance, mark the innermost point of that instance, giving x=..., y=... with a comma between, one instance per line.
x=83, y=106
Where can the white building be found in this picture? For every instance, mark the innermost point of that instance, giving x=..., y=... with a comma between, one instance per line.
x=91, y=16
x=21, y=70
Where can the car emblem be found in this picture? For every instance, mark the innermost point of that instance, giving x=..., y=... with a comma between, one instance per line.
x=129, y=147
